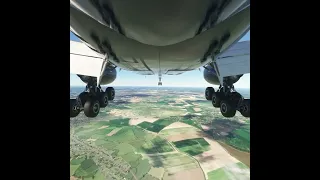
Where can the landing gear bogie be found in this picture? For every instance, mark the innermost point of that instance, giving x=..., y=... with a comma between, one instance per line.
x=228, y=100
x=91, y=100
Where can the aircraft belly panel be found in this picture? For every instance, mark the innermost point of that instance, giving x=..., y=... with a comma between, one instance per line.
x=161, y=59
x=158, y=22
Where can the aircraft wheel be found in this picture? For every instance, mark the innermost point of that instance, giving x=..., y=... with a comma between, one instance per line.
x=226, y=109
x=111, y=93
x=235, y=96
x=103, y=100
x=83, y=97
x=208, y=93
x=245, y=109
x=91, y=107
x=74, y=110
x=216, y=99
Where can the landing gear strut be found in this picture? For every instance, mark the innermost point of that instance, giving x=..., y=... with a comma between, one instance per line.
x=228, y=100
x=91, y=100
x=159, y=83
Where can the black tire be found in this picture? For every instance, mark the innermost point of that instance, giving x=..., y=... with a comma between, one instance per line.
x=111, y=93
x=245, y=108
x=91, y=107
x=103, y=99
x=83, y=97
x=208, y=93
x=227, y=109
x=235, y=96
x=74, y=110
x=216, y=99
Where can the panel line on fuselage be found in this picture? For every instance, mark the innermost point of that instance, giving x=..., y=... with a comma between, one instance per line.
x=86, y=55
x=145, y=65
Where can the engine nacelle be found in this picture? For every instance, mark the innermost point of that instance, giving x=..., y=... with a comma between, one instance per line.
x=210, y=75
x=109, y=75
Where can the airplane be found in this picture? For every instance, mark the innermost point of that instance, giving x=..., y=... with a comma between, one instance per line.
x=163, y=38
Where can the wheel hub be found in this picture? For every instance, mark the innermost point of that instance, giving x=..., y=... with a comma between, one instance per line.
x=224, y=108
x=245, y=108
x=214, y=100
x=95, y=108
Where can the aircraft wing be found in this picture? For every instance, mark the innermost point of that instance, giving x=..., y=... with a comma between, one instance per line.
x=235, y=60
x=84, y=61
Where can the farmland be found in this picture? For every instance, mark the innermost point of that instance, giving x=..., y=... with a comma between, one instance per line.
x=155, y=134
x=176, y=163
x=193, y=146
x=234, y=171
x=124, y=144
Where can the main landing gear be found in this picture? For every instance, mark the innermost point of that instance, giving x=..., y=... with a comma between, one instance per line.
x=228, y=100
x=91, y=100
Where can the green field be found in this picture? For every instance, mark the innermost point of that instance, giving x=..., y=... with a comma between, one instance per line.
x=156, y=145
x=225, y=173
x=190, y=109
x=119, y=122
x=124, y=143
x=139, y=166
x=158, y=125
x=242, y=166
x=151, y=126
x=243, y=134
x=193, y=146
x=238, y=143
x=178, y=104
x=87, y=168
x=149, y=177
x=217, y=174
x=95, y=127
x=156, y=173
x=238, y=133
x=165, y=122
x=192, y=123
x=121, y=107
x=94, y=133
x=173, y=162
x=240, y=138
x=145, y=109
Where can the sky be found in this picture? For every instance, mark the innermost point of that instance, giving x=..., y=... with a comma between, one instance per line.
x=188, y=79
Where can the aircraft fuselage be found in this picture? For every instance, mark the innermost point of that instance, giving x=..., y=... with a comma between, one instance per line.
x=159, y=36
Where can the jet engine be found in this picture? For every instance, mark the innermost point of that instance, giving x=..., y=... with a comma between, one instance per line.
x=109, y=75
x=210, y=75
